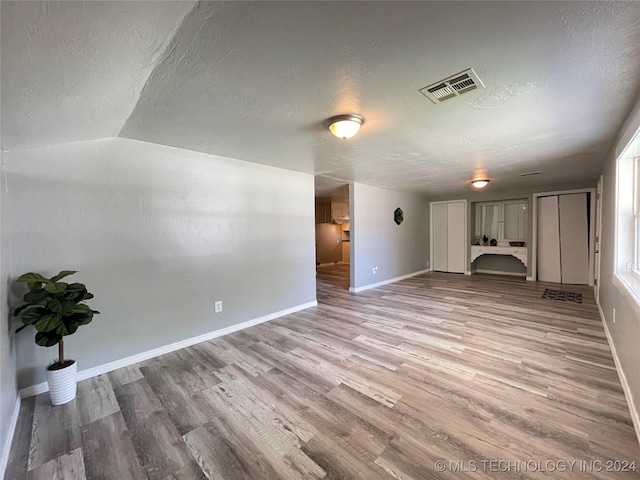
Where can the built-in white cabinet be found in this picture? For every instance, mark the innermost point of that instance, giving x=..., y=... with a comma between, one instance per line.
x=504, y=221
x=517, y=252
x=449, y=237
x=340, y=212
x=331, y=212
x=346, y=243
x=323, y=212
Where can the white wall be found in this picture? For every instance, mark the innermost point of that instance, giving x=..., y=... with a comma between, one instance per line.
x=157, y=234
x=376, y=240
x=625, y=333
x=8, y=388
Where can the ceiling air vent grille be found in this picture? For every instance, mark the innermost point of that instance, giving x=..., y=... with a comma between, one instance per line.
x=453, y=86
x=529, y=174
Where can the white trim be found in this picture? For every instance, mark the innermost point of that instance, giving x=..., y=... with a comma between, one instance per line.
x=531, y=279
x=498, y=272
x=385, y=282
x=597, y=245
x=534, y=238
x=37, y=389
x=139, y=357
x=635, y=418
x=11, y=430
x=616, y=204
x=625, y=284
x=519, y=253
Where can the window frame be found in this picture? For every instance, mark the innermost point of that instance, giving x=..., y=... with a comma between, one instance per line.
x=626, y=269
x=636, y=214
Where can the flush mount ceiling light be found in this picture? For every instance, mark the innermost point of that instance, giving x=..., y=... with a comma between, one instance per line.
x=480, y=183
x=344, y=126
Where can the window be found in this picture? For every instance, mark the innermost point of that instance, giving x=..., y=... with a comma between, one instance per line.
x=503, y=221
x=627, y=261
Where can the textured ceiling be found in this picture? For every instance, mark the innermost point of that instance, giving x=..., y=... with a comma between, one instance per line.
x=256, y=80
x=74, y=70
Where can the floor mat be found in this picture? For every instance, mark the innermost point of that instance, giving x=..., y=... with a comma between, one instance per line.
x=562, y=296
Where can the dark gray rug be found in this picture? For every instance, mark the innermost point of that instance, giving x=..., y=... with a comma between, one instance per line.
x=562, y=296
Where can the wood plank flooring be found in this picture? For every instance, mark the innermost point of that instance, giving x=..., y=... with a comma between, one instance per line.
x=377, y=385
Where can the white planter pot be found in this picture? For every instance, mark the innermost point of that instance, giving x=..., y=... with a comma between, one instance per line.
x=62, y=384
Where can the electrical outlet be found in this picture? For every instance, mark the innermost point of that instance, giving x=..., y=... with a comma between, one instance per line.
x=218, y=306
x=374, y=270
x=614, y=315
x=427, y=263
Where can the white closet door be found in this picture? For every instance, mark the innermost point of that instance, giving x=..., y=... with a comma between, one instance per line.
x=548, y=240
x=456, y=241
x=574, y=245
x=440, y=230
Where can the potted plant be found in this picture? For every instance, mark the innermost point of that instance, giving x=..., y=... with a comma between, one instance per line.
x=56, y=309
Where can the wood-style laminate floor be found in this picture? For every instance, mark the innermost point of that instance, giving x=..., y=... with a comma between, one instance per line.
x=377, y=385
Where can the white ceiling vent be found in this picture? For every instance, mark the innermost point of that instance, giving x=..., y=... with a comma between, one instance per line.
x=453, y=86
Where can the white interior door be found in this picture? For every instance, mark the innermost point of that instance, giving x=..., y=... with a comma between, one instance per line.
x=456, y=241
x=440, y=233
x=548, y=240
x=574, y=238
x=598, y=236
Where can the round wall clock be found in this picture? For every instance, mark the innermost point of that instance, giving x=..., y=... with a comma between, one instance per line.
x=398, y=216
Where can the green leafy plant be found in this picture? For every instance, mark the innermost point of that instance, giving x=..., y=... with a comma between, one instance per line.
x=56, y=309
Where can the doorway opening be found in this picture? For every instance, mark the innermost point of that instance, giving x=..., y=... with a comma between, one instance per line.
x=333, y=235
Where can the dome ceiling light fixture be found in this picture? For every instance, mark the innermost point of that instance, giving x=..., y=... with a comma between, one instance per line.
x=480, y=183
x=344, y=126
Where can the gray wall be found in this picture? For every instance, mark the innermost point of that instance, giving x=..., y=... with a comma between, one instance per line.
x=625, y=333
x=158, y=234
x=8, y=389
x=492, y=194
x=376, y=239
x=328, y=243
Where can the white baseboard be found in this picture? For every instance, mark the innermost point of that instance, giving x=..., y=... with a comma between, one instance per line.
x=139, y=357
x=385, y=282
x=531, y=279
x=11, y=430
x=635, y=418
x=330, y=264
x=498, y=272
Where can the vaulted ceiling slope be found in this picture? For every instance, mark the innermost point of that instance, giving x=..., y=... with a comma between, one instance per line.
x=74, y=70
x=256, y=80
